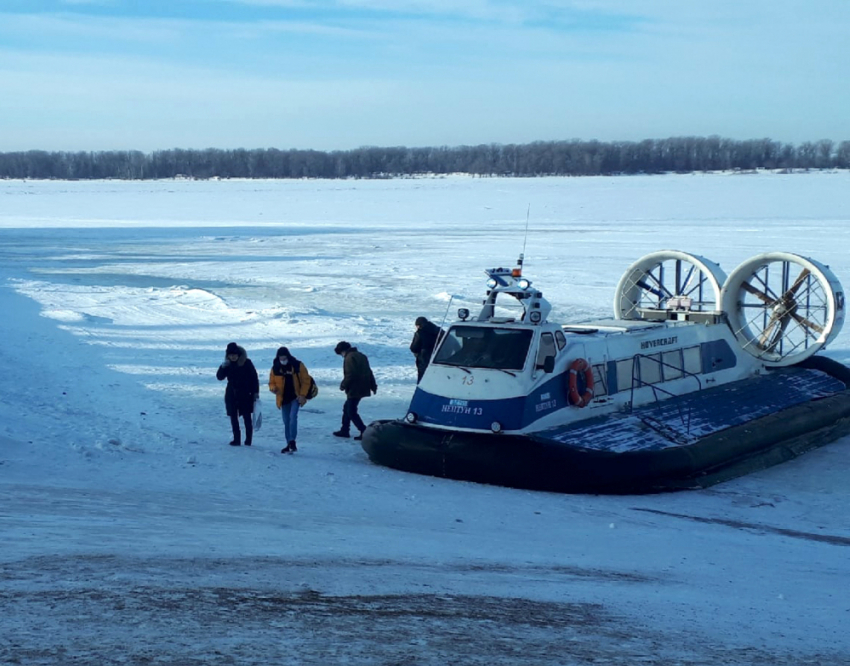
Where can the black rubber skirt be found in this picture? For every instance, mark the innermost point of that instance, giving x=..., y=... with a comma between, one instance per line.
x=536, y=463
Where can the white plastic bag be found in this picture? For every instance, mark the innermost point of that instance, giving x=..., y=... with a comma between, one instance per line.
x=257, y=416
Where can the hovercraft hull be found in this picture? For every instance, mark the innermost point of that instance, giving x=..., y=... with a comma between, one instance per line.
x=692, y=441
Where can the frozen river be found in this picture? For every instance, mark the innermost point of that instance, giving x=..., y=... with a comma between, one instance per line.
x=133, y=534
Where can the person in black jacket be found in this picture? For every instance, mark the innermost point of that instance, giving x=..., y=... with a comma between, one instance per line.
x=243, y=387
x=424, y=340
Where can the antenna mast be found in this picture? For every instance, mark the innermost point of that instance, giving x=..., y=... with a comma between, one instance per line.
x=525, y=240
x=446, y=315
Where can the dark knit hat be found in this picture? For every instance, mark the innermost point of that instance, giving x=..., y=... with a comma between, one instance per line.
x=341, y=347
x=232, y=348
x=283, y=351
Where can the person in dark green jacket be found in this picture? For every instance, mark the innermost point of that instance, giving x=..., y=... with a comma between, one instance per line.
x=358, y=382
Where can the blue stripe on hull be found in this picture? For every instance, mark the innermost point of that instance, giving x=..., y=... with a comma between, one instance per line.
x=511, y=413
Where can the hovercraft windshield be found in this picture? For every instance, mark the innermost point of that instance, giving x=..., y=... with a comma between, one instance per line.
x=485, y=347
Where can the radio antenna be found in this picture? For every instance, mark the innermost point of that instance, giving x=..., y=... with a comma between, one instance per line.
x=525, y=240
x=442, y=329
x=446, y=315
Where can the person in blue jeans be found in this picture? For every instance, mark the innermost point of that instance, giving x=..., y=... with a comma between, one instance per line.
x=289, y=380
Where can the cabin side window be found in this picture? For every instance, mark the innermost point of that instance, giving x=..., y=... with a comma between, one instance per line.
x=672, y=367
x=561, y=339
x=547, y=348
x=624, y=374
x=655, y=368
x=650, y=369
x=692, y=360
x=600, y=380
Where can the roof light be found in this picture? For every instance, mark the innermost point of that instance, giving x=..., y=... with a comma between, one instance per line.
x=491, y=283
x=535, y=316
x=523, y=283
x=496, y=427
x=516, y=272
x=463, y=314
x=411, y=417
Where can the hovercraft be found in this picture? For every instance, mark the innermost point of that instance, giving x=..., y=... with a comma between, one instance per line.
x=697, y=378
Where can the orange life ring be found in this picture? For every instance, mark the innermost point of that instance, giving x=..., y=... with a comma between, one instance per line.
x=576, y=398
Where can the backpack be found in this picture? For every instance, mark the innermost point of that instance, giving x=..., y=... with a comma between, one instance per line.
x=314, y=390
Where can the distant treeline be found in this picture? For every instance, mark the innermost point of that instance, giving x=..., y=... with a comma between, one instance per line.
x=541, y=158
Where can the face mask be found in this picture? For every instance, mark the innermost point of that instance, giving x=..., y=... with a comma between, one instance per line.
x=284, y=360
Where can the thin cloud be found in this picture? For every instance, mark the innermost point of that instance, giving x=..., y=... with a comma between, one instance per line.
x=485, y=11
x=102, y=3
x=86, y=28
x=130, y=29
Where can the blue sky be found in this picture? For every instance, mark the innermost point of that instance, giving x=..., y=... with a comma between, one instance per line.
x=338, y=74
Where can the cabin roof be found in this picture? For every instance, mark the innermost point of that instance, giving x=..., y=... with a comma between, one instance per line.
x=610, y=326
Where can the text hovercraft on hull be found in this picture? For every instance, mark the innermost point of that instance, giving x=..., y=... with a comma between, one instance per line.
x=696, y=379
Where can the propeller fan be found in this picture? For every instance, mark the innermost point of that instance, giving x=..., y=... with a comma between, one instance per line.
x=667, y=281
x=783, y=307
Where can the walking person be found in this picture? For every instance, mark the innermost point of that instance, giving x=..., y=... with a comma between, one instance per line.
x=243, y=387
x=289, y=380
x=358, y=382
x=424, y=340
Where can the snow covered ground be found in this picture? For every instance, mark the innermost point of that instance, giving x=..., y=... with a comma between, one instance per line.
x=132, y=534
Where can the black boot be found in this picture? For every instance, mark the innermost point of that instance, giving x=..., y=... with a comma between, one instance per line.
x=234, y=428
x=249, y=429
x=289, y=448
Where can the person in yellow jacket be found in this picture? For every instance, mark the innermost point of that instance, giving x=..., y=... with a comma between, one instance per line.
x=290, y=382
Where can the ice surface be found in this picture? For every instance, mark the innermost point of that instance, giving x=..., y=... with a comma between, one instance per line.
x=131, y=532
